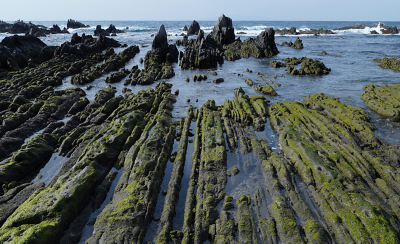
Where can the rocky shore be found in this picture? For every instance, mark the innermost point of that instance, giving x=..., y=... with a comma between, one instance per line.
x=332, y=180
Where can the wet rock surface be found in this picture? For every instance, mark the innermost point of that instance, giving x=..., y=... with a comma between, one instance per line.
x=261, y=46
x=131, y=171
x=384, y=100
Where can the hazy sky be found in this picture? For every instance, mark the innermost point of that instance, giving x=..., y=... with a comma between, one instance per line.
x=339, y=10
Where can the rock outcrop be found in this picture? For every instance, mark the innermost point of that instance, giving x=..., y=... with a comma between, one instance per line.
x=298, y=44
x=384, y=100
x=202, y=53
x=73, y=24
x=157, y=62
x=16, y=51
x=262, y=46
x=193, y=29
x=86, y=44
x=111, y=30
x=20, y=27
x=223, y=31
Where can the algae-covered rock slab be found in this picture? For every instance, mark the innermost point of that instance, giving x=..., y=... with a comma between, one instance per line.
x=384, y=100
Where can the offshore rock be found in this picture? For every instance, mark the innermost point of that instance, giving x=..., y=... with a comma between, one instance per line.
x=73, y=24
x=185, y=28
x=388, y=63
x=262, y=46
x=193, y=29
x=283, y=32
x=223, y=31
x=107, y=32
x=298, y=44
x=309, y=67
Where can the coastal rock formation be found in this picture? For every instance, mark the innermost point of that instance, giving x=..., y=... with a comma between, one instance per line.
x=73, y=24
x=16, y=51
x=385, y=100
x=86, y=44
x=20, y=27
x=185, y=28
x=193, y=29
x=309, y=67
x=381, y=27
x=293, y=31
x=157, y=62
x=202, y=53
x=388, y=63
x=298, y=44
x=261, y=46
x=283, y=32
x=223, y=31
x=106, y=32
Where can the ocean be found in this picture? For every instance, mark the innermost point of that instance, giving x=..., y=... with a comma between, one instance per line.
x=351, y=53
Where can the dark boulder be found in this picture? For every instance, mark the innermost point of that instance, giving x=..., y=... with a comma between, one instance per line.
x=223, y=31
x=112, y=30
x=160, y=41
x=73, y=24
x=184, y=28
x=193, y=29
x=15, y=51
x=100, y=32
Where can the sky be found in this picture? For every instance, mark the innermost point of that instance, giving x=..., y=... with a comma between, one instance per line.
x=292, y=10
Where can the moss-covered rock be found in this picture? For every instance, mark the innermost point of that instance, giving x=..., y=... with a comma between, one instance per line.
x=388, y=63
x=385, y=100
x=267, y=90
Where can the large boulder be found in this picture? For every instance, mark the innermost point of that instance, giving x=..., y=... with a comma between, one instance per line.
x=193, y=29
x=223, y=31
x=15, y=51
x=73, y=24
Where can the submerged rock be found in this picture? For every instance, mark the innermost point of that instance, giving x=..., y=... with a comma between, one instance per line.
x=298, y=44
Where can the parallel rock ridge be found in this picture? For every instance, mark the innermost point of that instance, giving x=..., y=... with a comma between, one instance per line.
x=332, y=181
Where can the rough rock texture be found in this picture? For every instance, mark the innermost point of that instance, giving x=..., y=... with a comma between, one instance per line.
x=388, y=63
x=202, y=53
x=106, y=32
x=157, y=62
x=73, y=24
x=348, y=170
x=86, y=44
x=193, y=29
x=298, y=44
x=16, y=51
x=223, y=31
x=385, y=100
x=309, y=67
x=261, y=46
x=20, y=27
